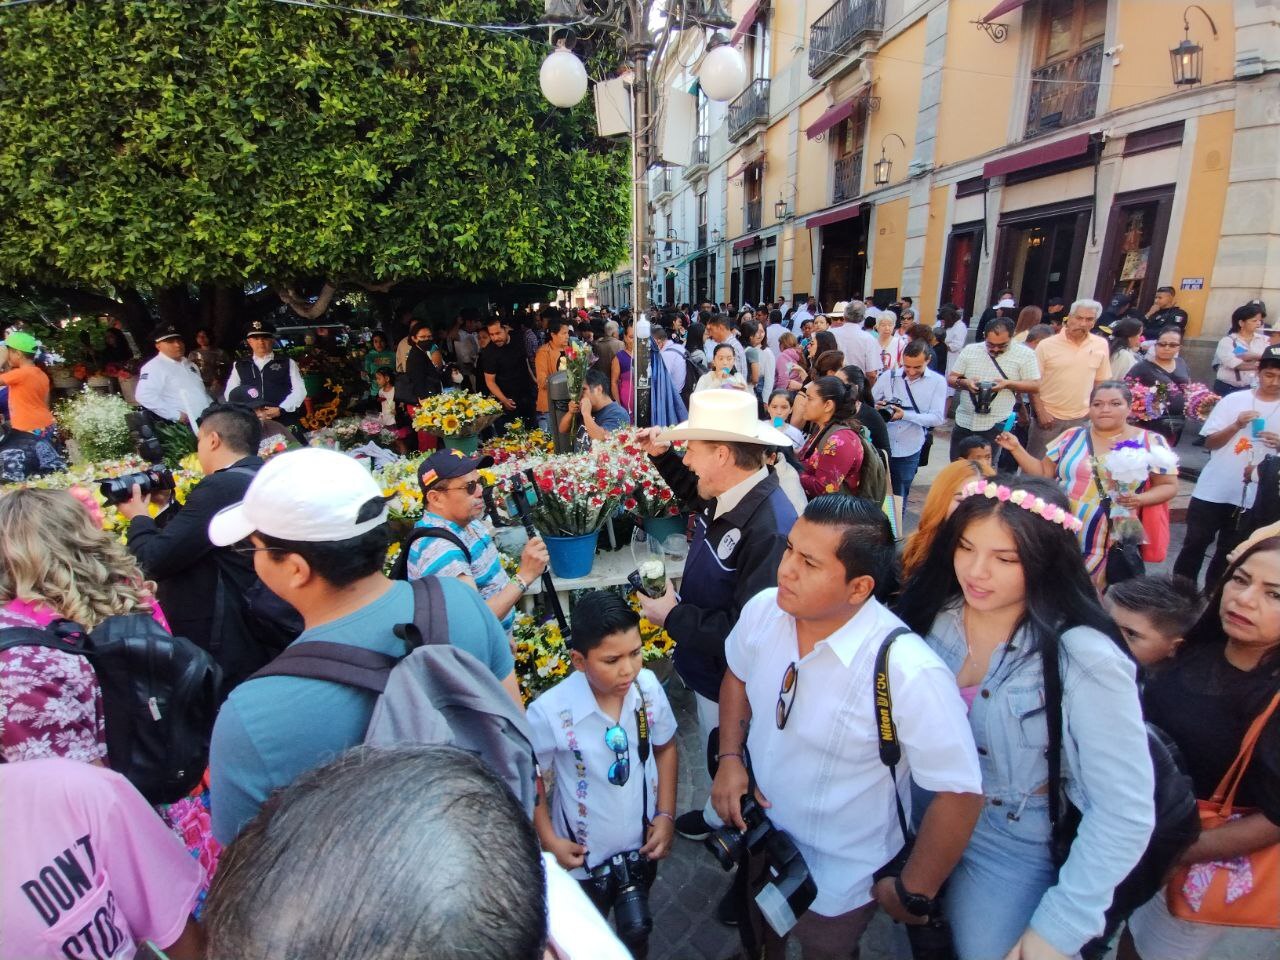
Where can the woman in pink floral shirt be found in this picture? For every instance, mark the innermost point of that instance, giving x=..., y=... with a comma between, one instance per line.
x=832, y=454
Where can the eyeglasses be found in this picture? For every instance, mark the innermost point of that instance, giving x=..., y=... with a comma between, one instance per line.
x=471, y=486
x=615, y=738
x=1164, y=343
x=787, y=695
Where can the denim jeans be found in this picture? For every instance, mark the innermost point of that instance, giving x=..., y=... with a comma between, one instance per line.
x=902, y=471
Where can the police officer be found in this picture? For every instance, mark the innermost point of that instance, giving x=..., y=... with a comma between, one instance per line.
x=277, y=380
x=169, y=385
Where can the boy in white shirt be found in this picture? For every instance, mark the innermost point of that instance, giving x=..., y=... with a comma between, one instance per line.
x=608, y=733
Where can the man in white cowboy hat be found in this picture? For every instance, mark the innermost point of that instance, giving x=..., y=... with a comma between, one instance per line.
x=740, y=532
x=277, y=380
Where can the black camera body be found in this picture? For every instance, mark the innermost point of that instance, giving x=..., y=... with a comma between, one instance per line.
x=985, y=395
x=623, y=881
x=786, y=888
x=117, y=490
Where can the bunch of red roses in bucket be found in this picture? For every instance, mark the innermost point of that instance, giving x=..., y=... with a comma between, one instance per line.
x=578, y=492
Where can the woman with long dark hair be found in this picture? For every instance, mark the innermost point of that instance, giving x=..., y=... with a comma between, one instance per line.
x=1226, y=675
x=832, y=454
x=1004, y=599
x=867, y=413
x=1165, y=367
x=1125, y=343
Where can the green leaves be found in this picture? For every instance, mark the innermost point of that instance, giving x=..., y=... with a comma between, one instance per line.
x=159, y=142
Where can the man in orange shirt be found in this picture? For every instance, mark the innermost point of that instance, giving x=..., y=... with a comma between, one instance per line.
x=547, y=361
x=1071, y=363
x=28, y=386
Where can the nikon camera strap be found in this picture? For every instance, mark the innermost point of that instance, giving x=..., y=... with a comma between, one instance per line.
x=886, y=730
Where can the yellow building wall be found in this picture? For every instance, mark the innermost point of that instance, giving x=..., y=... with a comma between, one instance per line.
x=1149, y=29
x=934, y=245
x=1202, y=224
x=978, y=83
x=897, y=73
x=813, y=160
x=776, y=185
x=890, y=225
x=802, y=261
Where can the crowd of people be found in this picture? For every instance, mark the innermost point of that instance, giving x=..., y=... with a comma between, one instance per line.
x=997, y=729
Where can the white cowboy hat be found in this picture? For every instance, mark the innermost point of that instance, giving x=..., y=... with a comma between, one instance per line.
x=727, y=416
x=837, y=310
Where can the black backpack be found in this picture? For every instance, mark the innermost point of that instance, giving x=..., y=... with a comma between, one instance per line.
x=693, y=371
x=400, y=569
x=160, y=694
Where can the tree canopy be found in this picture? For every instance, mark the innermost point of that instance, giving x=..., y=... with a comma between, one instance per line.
x=152, y=144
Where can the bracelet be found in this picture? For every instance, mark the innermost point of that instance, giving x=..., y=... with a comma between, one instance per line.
x=663, y=813
x=721, y=756
x=524, y=587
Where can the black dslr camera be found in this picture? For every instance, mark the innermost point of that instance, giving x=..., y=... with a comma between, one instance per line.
x=986, y=393
x=623, y=881
x=117, y=490
x=786, y=889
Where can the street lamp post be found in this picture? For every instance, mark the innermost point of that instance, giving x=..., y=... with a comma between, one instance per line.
x=723, y=74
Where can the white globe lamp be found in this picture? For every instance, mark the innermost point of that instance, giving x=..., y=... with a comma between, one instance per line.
x=563, y=78
x=724, y=71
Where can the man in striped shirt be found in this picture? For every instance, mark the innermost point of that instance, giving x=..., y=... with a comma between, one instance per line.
x=452, y=540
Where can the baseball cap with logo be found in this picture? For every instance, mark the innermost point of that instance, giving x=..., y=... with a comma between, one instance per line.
x=310, y=496
x=1270, y=357
x=166, y=331
x=447, y=464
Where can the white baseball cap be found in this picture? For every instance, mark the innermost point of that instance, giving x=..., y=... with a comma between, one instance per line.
x=310, y=495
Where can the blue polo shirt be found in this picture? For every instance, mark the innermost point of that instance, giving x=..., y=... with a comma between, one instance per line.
x=273, y=729
x=612, y=416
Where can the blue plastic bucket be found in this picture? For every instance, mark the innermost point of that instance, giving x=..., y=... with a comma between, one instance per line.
x=572, y=557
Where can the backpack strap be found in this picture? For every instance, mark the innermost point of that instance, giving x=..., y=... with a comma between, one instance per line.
x=886, y=729
x=429, y=626
x=36, y=637
x=335, y=662
x=400, y=569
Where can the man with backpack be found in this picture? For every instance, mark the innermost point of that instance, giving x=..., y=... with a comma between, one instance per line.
x=315, y=523
x=203, y=588
x=451, y=539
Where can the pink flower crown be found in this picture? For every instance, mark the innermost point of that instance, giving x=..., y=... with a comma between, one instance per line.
x=1022, y=498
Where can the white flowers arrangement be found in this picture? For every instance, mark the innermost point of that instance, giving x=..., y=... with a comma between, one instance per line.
x=99, y=423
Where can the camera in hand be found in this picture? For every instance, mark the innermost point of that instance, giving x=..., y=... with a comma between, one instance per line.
x=117, y=490
x=986, y=393
x=930, y=940
x=785, y=889
x=624, y=880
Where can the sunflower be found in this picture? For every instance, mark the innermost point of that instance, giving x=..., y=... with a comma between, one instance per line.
x=450, y=424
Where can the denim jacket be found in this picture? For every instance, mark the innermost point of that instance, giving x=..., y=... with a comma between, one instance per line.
x=1106, y=763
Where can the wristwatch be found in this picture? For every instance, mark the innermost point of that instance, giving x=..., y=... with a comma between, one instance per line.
x=524, y=587
x=916, y=904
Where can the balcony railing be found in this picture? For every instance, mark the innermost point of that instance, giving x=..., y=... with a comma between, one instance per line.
x=701, y=151
x=662, y=183
x=1064, y=92
x=841, y=29
x=848, y=179
x=749, y=107
x=752, y=215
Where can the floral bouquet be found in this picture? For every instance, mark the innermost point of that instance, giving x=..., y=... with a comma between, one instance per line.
x=457, y=413
x=542, y=659
x=1200, y=401
x=577, y=493
x=399, y=481
x=340, y=434
x=1125, y=468
x=650, y=497
x=1151, y=403
x=518, y=443
x=577, y=361
x=99, y=423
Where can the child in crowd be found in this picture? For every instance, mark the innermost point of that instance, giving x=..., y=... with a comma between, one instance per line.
x=780, y=410
x=608, y=734
x=388, y=412
x=723, y=373
x=975, y=448
x=1153, y=613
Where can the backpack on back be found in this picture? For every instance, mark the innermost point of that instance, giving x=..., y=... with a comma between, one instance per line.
x=400, y=569
x=160, y=694
x=873, y=475
x=693, y=371
x=435, y=693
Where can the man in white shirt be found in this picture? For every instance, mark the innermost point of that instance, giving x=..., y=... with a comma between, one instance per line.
x=169, y=385
x=913, y=399
x=800, y=314
x=277, y=380
x=859, y=347
x=1011, y=369
x=800, y=696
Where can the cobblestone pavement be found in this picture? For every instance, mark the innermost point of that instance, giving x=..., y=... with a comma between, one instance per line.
x=690, y=882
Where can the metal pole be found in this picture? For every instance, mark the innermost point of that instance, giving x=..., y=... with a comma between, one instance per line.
x=639, y=47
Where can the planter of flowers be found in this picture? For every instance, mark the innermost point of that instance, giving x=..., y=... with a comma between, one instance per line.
x=457, y=417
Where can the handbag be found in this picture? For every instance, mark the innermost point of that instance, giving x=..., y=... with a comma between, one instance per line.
x=1155, y=524
x=1123, y=557
x=1243, y=891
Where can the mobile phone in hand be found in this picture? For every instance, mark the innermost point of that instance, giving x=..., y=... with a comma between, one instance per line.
x=1010, y=422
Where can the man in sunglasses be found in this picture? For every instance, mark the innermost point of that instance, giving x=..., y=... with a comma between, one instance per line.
x=451, y=539
x=799, y=705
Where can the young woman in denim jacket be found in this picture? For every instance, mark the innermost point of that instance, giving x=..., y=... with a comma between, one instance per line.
x=1003, y=595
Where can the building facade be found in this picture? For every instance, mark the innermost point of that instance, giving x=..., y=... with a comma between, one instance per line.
x=949, y=149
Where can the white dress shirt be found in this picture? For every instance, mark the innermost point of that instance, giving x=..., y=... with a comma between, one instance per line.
x=568, y=729
x=858, y=347
x=906, y=435
x=172, y=388
x=822, y=772
x=297, y=389
x=796, y=318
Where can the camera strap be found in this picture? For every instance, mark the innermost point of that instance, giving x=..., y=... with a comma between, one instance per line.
x=642, y=750
x=886, y=729
x=910, y=396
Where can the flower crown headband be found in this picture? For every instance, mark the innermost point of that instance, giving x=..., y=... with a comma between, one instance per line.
x=1024, y=499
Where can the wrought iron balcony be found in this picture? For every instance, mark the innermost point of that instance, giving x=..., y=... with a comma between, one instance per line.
x=748, y=108
x=841, y=29
x=662, y=184
x=848, y=179
x=698, y=158
x=1064, y=92
x=751, y=215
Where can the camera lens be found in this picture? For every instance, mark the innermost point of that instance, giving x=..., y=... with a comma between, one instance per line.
x=726, y=845
x=631, y=913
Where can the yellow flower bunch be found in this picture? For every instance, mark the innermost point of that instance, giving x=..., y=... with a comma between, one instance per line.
x=542, y=659
x=456, y=413
x=655, y=642
x=518, y=443
x=399, y=480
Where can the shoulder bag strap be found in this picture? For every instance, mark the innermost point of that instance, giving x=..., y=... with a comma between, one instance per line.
x=430, y=626
x=1104, y=498
x=910, y=396
x=886, y=729
x=36, y=637
x=335, y=662
x=1225, y=795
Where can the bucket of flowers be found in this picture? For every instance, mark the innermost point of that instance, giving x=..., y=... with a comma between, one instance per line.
x=518, y=443
x=577, y=494
x=457, y=417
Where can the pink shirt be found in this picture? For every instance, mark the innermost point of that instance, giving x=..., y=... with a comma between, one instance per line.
x=89, y=870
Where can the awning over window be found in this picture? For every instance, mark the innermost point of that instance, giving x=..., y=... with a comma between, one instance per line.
x=746, y=242
x=1038, y=156
x=1001, y=8
x=743, y=168
x=747, y=22
x=833, y=216
x=841, y=111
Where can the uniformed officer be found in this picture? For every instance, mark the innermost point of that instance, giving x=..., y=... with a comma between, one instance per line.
x=277, y=379
x=169, y=385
